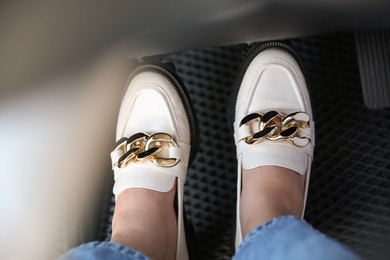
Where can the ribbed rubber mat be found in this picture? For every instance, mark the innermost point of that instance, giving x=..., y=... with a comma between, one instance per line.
x=373, y=48
x=349, y=196
x=211, y=185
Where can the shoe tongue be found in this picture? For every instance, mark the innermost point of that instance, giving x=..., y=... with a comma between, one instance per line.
x=281, y=154
x=145, y=175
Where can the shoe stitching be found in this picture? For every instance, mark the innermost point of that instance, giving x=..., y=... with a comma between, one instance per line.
x=281, y=62
x=158, y=88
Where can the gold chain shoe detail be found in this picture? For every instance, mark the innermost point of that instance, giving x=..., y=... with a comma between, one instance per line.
x=141, y=147
x=274, y=126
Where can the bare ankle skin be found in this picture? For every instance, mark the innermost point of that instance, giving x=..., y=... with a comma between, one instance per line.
x=145, y=220
x=269, y=192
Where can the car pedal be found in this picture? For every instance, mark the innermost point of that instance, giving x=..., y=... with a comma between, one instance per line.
x=373, y=51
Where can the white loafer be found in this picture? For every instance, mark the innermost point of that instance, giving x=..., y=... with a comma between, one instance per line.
x=273, y=120
x=156, y=138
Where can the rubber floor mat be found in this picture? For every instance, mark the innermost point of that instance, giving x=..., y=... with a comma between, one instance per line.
x=349, y=195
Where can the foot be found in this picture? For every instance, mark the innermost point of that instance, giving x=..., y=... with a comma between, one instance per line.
x=156, y=140
x=274, y=135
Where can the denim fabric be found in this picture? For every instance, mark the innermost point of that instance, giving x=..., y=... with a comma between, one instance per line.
x=284, y=237
x=292, y=238
x=103, y=251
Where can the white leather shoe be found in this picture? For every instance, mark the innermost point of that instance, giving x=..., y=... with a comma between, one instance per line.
x=156, y=138
x=273, y=120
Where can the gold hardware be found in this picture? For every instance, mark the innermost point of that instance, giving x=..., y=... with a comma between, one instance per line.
x=142, y=147
x=274, y=126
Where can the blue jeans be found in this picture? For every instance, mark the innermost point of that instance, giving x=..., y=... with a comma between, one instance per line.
x=285, y=237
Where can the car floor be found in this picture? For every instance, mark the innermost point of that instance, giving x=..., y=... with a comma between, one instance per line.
x=349, y=195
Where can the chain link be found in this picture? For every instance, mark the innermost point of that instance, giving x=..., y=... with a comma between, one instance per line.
x=274, y=126
x=141, y=147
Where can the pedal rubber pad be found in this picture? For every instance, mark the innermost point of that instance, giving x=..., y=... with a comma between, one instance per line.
x=373, y=49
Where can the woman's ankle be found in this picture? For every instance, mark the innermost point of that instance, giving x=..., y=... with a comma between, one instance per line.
x=146, y=221
x=269, y=192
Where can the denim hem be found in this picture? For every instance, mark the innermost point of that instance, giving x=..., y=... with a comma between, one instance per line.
x=265, y=226
x=119, y=248
x=103, y=250
x=293, y=238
